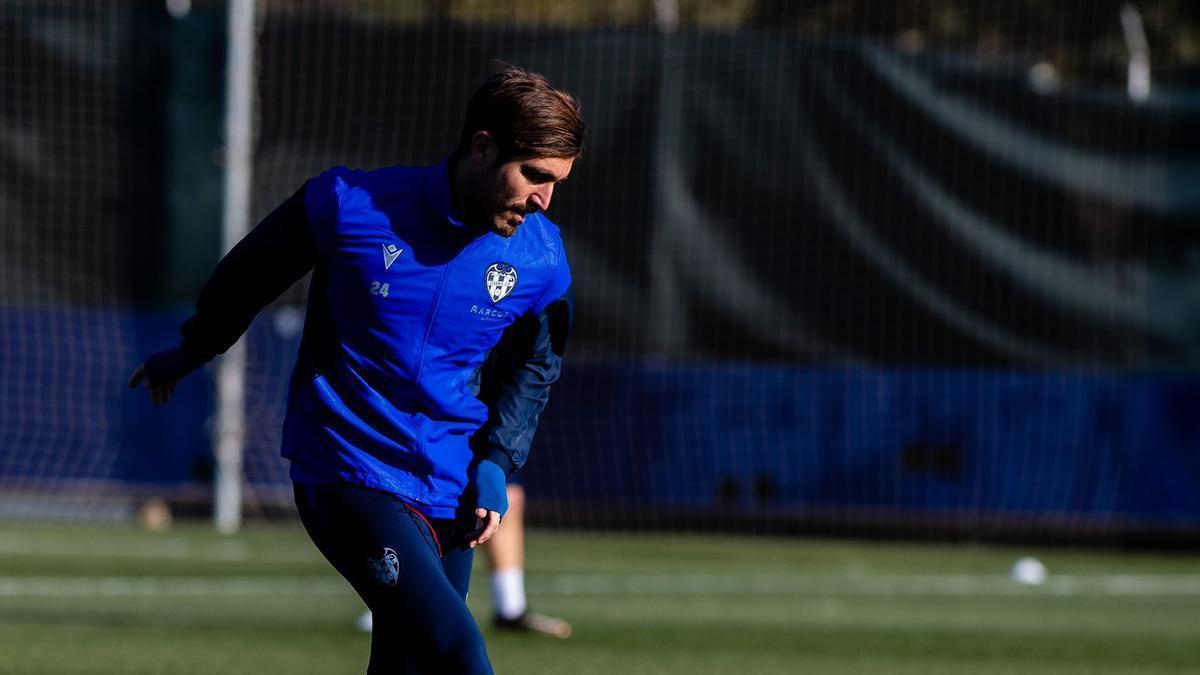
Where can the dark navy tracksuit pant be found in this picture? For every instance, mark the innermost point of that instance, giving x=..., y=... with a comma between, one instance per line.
x=412, y=572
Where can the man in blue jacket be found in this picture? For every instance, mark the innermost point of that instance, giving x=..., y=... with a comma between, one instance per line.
x=399, y=439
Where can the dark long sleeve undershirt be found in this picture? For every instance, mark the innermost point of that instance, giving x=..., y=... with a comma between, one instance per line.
x=517, y=380
x=273, y=256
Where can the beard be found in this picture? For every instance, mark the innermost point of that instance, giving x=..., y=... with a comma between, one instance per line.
x=502, y=217
x=488, y=203
x=507, y=221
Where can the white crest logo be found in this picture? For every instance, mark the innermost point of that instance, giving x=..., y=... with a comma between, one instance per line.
x=501, y=279
x=385, y=568
x=390, y=253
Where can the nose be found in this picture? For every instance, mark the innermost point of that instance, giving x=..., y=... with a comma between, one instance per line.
x=541, y=198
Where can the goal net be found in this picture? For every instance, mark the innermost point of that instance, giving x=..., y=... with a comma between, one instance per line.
x=921, y=270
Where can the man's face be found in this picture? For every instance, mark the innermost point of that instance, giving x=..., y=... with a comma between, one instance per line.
x=509, y=190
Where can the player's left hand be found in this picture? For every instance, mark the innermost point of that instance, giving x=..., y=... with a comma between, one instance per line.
x=491, y=501
x=489, y=522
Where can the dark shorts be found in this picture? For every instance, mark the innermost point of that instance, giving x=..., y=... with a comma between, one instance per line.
x=412, y=572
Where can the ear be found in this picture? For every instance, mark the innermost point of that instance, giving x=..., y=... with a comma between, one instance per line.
x=483, y=148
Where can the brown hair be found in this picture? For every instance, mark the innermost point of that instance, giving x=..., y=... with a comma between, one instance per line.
x=526, y=115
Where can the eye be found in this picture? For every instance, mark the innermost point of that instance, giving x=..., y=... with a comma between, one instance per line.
x=535, y=176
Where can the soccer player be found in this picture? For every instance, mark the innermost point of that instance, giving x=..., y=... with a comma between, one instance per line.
x=399, y=467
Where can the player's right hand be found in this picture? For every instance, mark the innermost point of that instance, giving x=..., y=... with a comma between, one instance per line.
x=159, y=393
x=163, y=369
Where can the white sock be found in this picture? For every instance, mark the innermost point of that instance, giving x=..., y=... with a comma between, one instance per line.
x=508, y=592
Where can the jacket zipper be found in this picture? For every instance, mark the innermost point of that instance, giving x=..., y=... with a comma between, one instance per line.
x=437, y=301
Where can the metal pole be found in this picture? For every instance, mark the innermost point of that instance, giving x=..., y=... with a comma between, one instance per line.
x=1138, y=83
x=231, y=371
x=666, y=15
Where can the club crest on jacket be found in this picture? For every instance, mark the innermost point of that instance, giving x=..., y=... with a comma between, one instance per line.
x=501, y=279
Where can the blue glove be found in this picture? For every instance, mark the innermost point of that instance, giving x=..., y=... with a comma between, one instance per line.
x=490, y=487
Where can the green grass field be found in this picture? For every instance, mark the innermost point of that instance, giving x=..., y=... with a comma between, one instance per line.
x=93, y=600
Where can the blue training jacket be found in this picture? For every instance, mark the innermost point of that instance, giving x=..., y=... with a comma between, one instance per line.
x=406, y=305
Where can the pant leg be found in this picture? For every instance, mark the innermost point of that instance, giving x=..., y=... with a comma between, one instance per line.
x=390, y=557
x=456, y=563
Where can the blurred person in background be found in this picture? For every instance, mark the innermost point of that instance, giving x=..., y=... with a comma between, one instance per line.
x=398, y=458
x=506, y=565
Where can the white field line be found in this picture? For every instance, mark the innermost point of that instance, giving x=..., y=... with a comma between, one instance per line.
x=170, y=586
x=647, y=584
x=166, y=548
x=863, y=585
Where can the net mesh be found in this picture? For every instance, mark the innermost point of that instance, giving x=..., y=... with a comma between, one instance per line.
x=63, y=338
x=928, y=267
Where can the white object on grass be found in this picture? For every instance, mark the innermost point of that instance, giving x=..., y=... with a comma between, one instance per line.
x=1029, y=572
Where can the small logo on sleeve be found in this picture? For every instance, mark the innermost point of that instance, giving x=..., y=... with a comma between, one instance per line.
x=390, y=253
x=501, y=279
